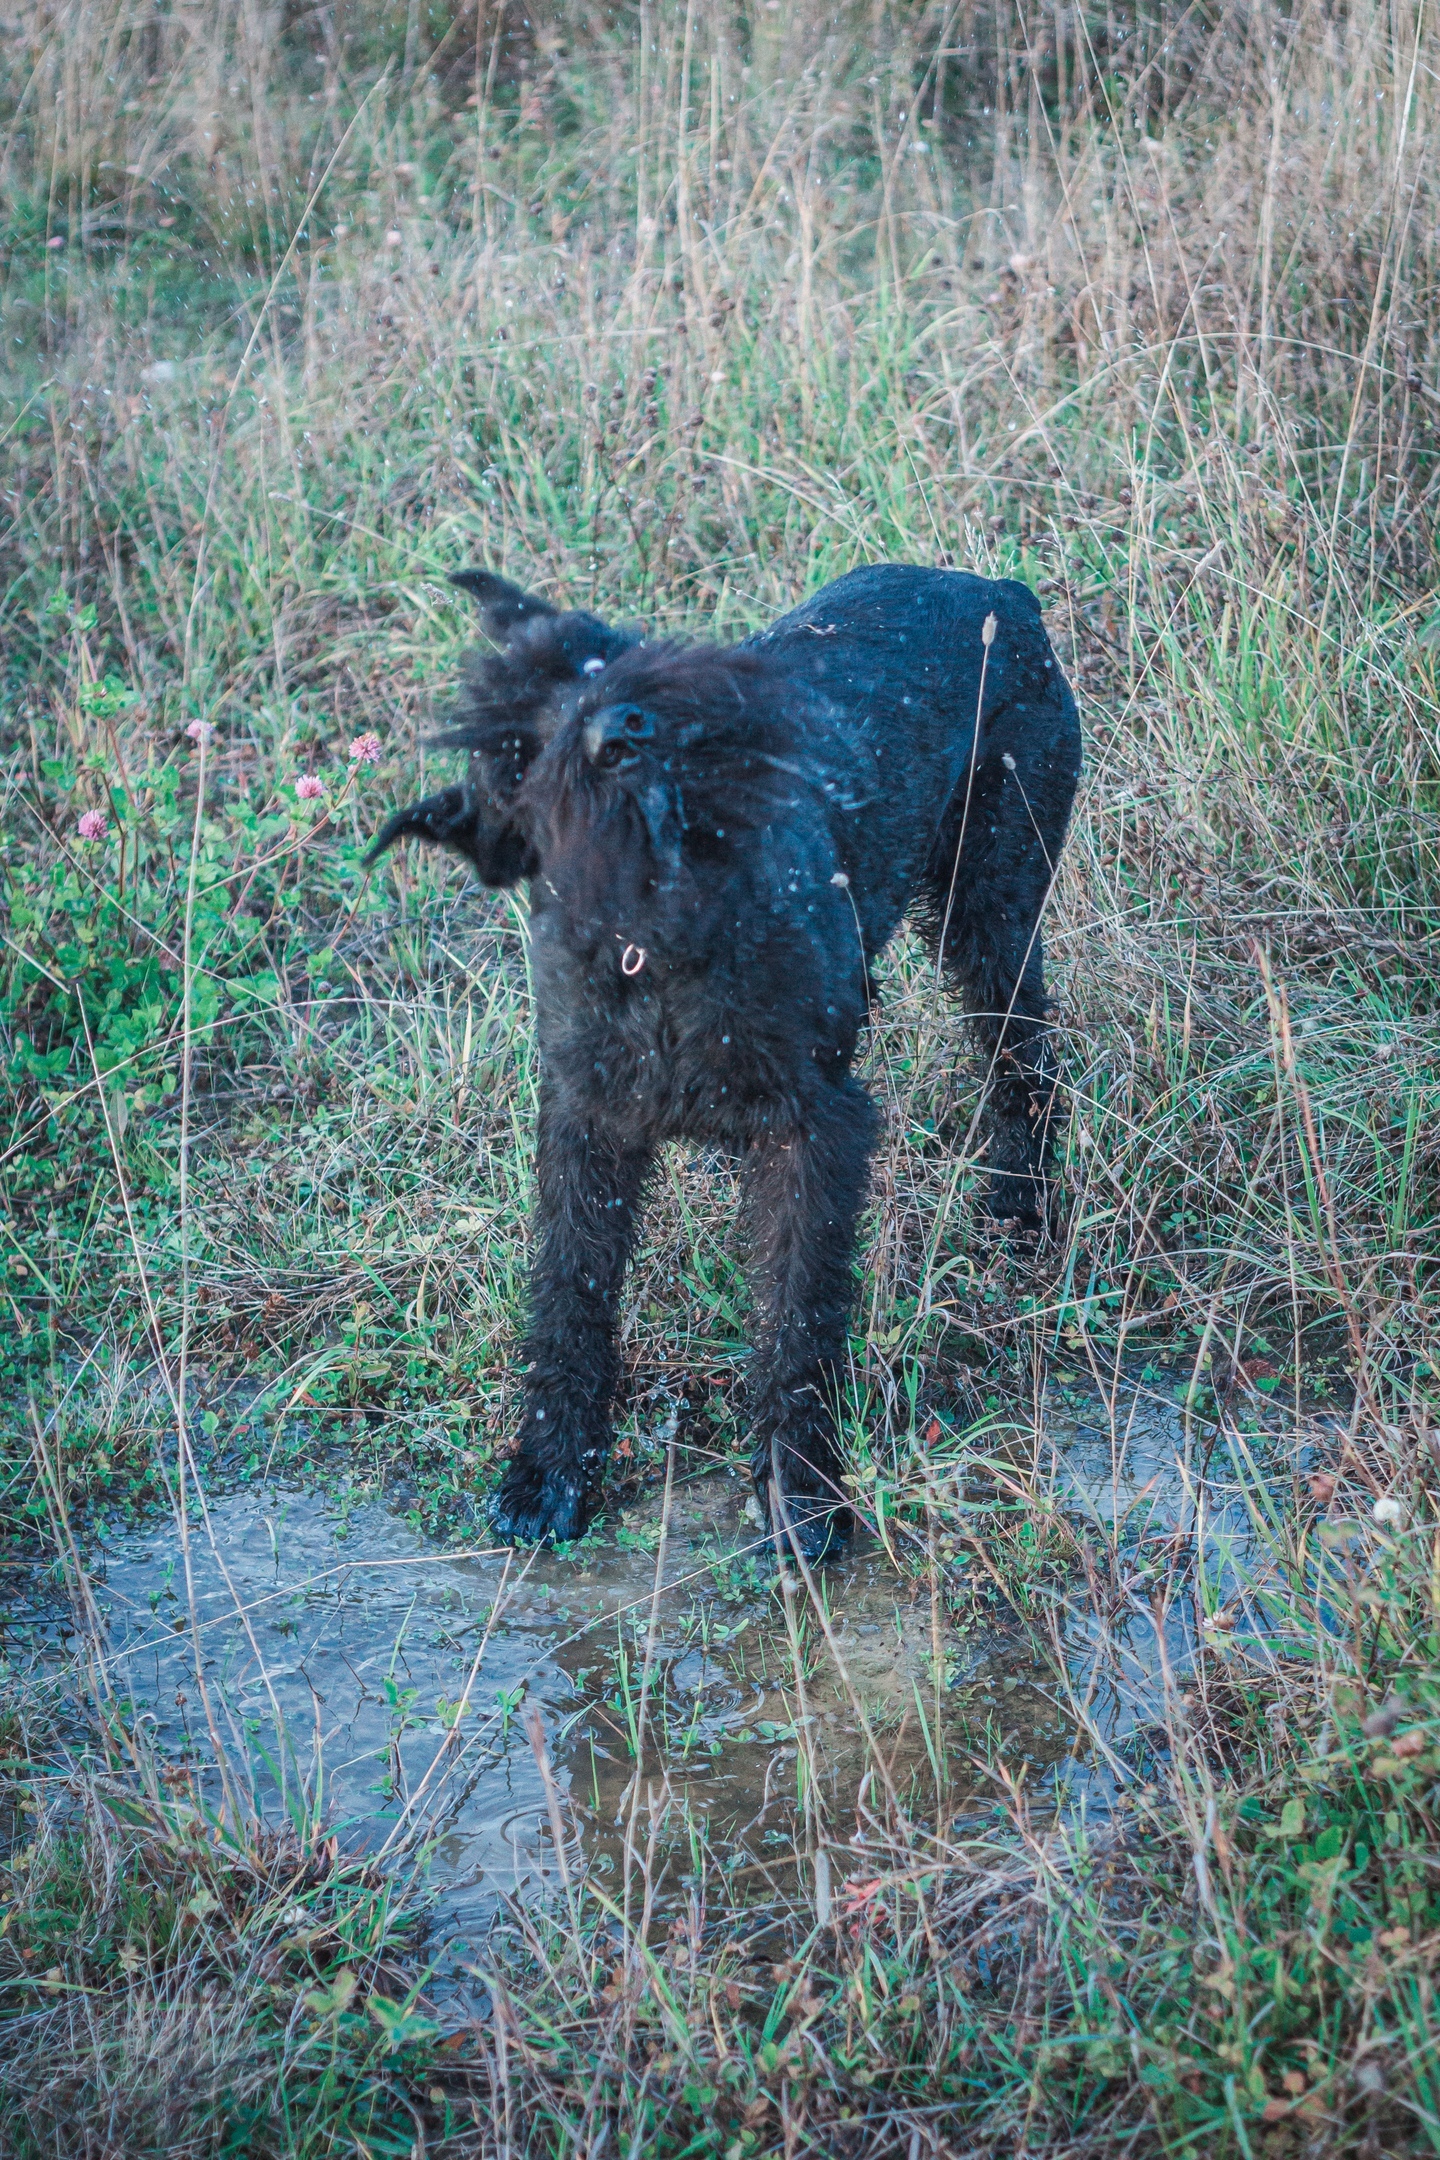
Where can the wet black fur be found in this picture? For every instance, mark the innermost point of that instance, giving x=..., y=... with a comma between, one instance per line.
x=718, y=842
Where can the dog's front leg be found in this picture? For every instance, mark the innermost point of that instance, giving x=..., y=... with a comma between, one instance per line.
x=589, y=1188
x=806, y=1193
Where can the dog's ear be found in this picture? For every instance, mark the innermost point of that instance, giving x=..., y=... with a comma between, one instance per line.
x=502, y=605
x=461, y=819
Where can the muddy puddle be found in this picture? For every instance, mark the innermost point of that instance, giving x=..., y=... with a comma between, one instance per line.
x=418, y=1697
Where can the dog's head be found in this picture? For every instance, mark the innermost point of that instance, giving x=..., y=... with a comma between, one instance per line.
x=616, y=766
x=681, y=749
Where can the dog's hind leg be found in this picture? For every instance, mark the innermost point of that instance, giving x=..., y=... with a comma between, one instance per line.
x=1019, y=1048
x=589, y=1190
x=805, y=1195
x=982, y=918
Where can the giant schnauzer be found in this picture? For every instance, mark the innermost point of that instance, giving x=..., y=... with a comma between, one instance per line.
x=718, y=841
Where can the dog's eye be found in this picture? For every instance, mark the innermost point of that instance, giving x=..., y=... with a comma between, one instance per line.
x=614, y=736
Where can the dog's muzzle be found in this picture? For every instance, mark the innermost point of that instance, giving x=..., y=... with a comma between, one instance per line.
x=614, y=736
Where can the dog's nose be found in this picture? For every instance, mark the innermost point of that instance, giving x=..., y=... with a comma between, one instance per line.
x=614, y=735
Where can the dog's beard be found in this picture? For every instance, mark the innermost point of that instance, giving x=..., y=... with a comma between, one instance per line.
x=647, y=858
x=614, y=863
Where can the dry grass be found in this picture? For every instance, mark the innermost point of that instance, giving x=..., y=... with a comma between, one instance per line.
x=679, y=315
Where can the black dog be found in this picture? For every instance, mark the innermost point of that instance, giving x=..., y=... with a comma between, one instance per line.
x=718, y=843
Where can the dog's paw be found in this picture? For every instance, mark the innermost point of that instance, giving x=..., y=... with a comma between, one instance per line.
x=816, y=1525
x=536, y=1506
x=1016, y=1207
x=817, y=1529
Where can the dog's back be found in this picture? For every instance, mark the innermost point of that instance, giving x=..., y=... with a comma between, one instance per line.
x=900, y=655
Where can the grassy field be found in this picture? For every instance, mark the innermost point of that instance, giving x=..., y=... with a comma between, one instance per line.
x=677, y=312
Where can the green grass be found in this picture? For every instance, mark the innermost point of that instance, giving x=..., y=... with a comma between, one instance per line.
x=298, y=318
x=181, y=1988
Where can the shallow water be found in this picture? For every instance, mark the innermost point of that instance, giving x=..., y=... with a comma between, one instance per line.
x=362, y=1676
x=351, y=1640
